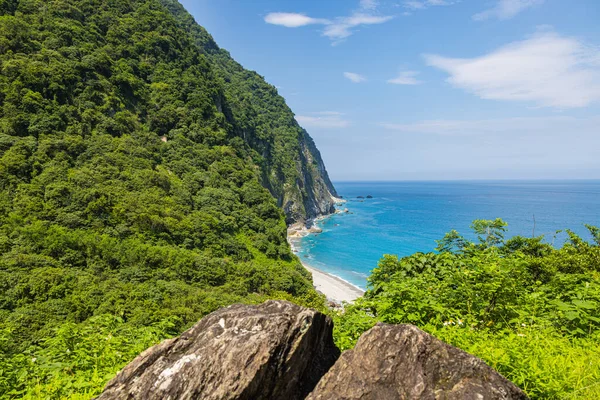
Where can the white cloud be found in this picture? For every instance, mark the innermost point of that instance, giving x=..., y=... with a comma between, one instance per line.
x=406, y=78
x=368, y=4
x=547, y=69
x=506, y=9
x=514, y=126
x=342, y=27
x=336, y=29
x=292, y=20
x=423, y=4
x=329, y=113
x=415, y=5
x=323, y=119
x=354, y=77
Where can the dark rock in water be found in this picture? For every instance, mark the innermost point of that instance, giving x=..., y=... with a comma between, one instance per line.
x=360, y=197
x=276, y=350
x=369, y=197
x=403, y=362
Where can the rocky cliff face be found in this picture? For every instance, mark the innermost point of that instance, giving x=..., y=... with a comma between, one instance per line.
x=281, y=351
x=290, y=164
x=316, y=190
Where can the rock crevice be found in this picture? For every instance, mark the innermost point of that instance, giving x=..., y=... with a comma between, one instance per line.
x=275, y=350
x=279, y=350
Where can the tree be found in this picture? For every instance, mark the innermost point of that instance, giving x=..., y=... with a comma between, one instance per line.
x=452, y=242
x=489, y=232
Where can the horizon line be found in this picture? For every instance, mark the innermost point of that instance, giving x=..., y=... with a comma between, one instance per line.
x=466, y=180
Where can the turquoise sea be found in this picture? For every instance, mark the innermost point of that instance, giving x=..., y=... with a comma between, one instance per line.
x=406, y=217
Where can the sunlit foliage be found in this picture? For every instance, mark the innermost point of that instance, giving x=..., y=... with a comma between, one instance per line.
x=130, y=204
x=530, y=310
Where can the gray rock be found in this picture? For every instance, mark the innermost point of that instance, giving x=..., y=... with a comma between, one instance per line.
x=311, y=194
x=403, y=362
x=276, y=350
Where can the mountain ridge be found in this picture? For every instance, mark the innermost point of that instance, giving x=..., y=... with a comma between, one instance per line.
x=302, y=188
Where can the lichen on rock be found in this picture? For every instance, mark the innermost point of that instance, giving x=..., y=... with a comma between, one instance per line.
x=276, y=350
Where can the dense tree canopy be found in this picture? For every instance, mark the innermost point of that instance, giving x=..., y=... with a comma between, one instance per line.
x=129, y=204
x=291, y=165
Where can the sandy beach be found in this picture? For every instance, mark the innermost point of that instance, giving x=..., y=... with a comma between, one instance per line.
x=333, y=287
x=336, y=289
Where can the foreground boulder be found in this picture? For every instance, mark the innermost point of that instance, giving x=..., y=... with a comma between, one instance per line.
x=403, y=362
x=282, y=351
x=276, y=350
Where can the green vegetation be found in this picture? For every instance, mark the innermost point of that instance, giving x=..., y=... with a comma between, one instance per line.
x=291, y=165
x=130, y=202
x=142, y=176
x=531, y=311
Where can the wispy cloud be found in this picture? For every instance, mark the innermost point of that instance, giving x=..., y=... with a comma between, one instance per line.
x=336, y=29
x=546, y=69
x=292, y=20
x=328, y=113
x=368, y=4
x=423, y=4
x=406, y=78
x=323, y=119
x=515, y=126
x=506, y=9
x=343, y=27
x=354, y=77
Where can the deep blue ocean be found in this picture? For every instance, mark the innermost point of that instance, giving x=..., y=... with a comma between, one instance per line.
x=406, y=217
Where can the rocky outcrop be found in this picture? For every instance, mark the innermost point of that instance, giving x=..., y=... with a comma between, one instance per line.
x=319, y=195
x=403, y=362
x=282, y=351
x=276, y=350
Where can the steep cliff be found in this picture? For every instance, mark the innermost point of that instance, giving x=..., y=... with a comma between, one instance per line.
x=290, y=163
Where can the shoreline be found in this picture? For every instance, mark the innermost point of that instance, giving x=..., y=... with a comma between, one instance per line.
x=336, y=289
x=333, y=287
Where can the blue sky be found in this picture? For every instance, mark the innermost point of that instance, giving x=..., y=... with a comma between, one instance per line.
x=429, y=89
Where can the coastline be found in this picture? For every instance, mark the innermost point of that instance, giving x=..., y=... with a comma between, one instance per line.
x=336, y=289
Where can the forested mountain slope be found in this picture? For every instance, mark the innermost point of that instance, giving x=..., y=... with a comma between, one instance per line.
x=131, y=201
x=291, y=165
